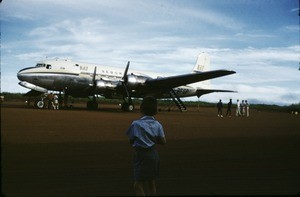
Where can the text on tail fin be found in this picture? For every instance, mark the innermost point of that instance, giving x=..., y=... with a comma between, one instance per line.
x=202, y=63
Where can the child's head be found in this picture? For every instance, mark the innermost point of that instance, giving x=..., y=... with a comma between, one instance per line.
x=149, y=106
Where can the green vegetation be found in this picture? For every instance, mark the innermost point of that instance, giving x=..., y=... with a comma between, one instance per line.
x=276, y=108
x=164, y=102
x=13, y=96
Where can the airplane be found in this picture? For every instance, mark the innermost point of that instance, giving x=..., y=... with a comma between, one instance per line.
x=80, y=79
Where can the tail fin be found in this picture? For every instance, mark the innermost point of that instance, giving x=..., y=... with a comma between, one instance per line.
x=203, y=63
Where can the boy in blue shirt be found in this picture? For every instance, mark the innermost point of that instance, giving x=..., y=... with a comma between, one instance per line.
x=143, y=134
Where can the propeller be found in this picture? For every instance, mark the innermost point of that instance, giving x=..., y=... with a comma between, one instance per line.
x=126, y=70
x=93, y=84
x=92, y=104
x=124, y=80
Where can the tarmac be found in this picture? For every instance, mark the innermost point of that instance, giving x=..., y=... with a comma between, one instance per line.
x=86, y=153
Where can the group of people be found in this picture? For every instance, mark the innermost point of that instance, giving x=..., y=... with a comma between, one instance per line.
x=242, y=108
x=52, y=101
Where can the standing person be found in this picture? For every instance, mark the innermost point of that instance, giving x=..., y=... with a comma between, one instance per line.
x=229, y=108
x=220, y=106
x=55, y=98
x=247, y=108
x=238, y=108
x=50, y=101
x=143, y=134
x=243, y=108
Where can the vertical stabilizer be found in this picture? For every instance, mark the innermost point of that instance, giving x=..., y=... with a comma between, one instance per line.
x=203, y=63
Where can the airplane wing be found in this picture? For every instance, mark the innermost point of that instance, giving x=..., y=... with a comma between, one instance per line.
x=179, y=80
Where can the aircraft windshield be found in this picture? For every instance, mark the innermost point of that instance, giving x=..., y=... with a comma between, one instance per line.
x=40, y=65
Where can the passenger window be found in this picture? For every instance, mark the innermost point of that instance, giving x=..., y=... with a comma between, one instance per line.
x=48, y=66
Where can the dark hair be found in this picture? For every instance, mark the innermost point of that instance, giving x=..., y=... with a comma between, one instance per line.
x=149, y=106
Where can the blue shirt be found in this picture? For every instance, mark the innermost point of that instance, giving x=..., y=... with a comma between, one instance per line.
x=145, y=131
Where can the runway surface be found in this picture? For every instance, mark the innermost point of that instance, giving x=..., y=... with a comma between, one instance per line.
x=86, y=153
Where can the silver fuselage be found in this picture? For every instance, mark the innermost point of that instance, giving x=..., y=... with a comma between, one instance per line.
x=77, y=79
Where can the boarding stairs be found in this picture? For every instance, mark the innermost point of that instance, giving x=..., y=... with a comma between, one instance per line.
x=177, y=101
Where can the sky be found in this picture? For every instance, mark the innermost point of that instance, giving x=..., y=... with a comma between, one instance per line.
x=259, y=39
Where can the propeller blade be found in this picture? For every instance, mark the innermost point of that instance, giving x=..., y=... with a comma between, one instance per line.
x=126, y=70
x=94, y=76
x=126, y=90
x=93, y=84
x=124, y=80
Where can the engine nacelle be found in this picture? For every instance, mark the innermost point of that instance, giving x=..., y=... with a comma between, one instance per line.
x=134, y=80
x=105, y=85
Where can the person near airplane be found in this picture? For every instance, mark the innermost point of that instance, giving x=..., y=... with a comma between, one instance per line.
x=143, y=135
x=238, y=108
x=243, y=108
x=50, y=99
x=247, y=108
x=220, y=106
x=228, y=113
x=55, y=98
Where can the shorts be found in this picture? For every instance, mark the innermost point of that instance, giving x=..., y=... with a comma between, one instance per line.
x=146, y=164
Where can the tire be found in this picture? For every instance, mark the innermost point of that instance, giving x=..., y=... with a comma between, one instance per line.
x=130, y=108
x=40, y=104
x=127, y=107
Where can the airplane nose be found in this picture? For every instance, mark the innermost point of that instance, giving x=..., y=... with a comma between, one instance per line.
x=23, y=73
x=20, y=75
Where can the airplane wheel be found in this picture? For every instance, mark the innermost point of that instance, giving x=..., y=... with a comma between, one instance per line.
x=127, y=107
x=130, y=108
x=39, y=104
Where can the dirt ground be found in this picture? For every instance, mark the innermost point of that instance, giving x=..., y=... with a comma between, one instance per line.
x=86, y=153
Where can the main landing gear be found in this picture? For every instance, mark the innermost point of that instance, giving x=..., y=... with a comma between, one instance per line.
x=127, y=106
x=92, y=104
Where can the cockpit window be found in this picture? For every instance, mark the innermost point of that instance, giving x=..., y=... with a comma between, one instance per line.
x=48, y=66
x=40, y=65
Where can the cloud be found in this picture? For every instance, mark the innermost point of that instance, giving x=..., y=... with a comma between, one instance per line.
x=291, y=28
x=211, y=17
x=295, y=10
x=164, y=37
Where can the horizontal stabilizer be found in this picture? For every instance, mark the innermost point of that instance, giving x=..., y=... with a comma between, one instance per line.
x=201, y=92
